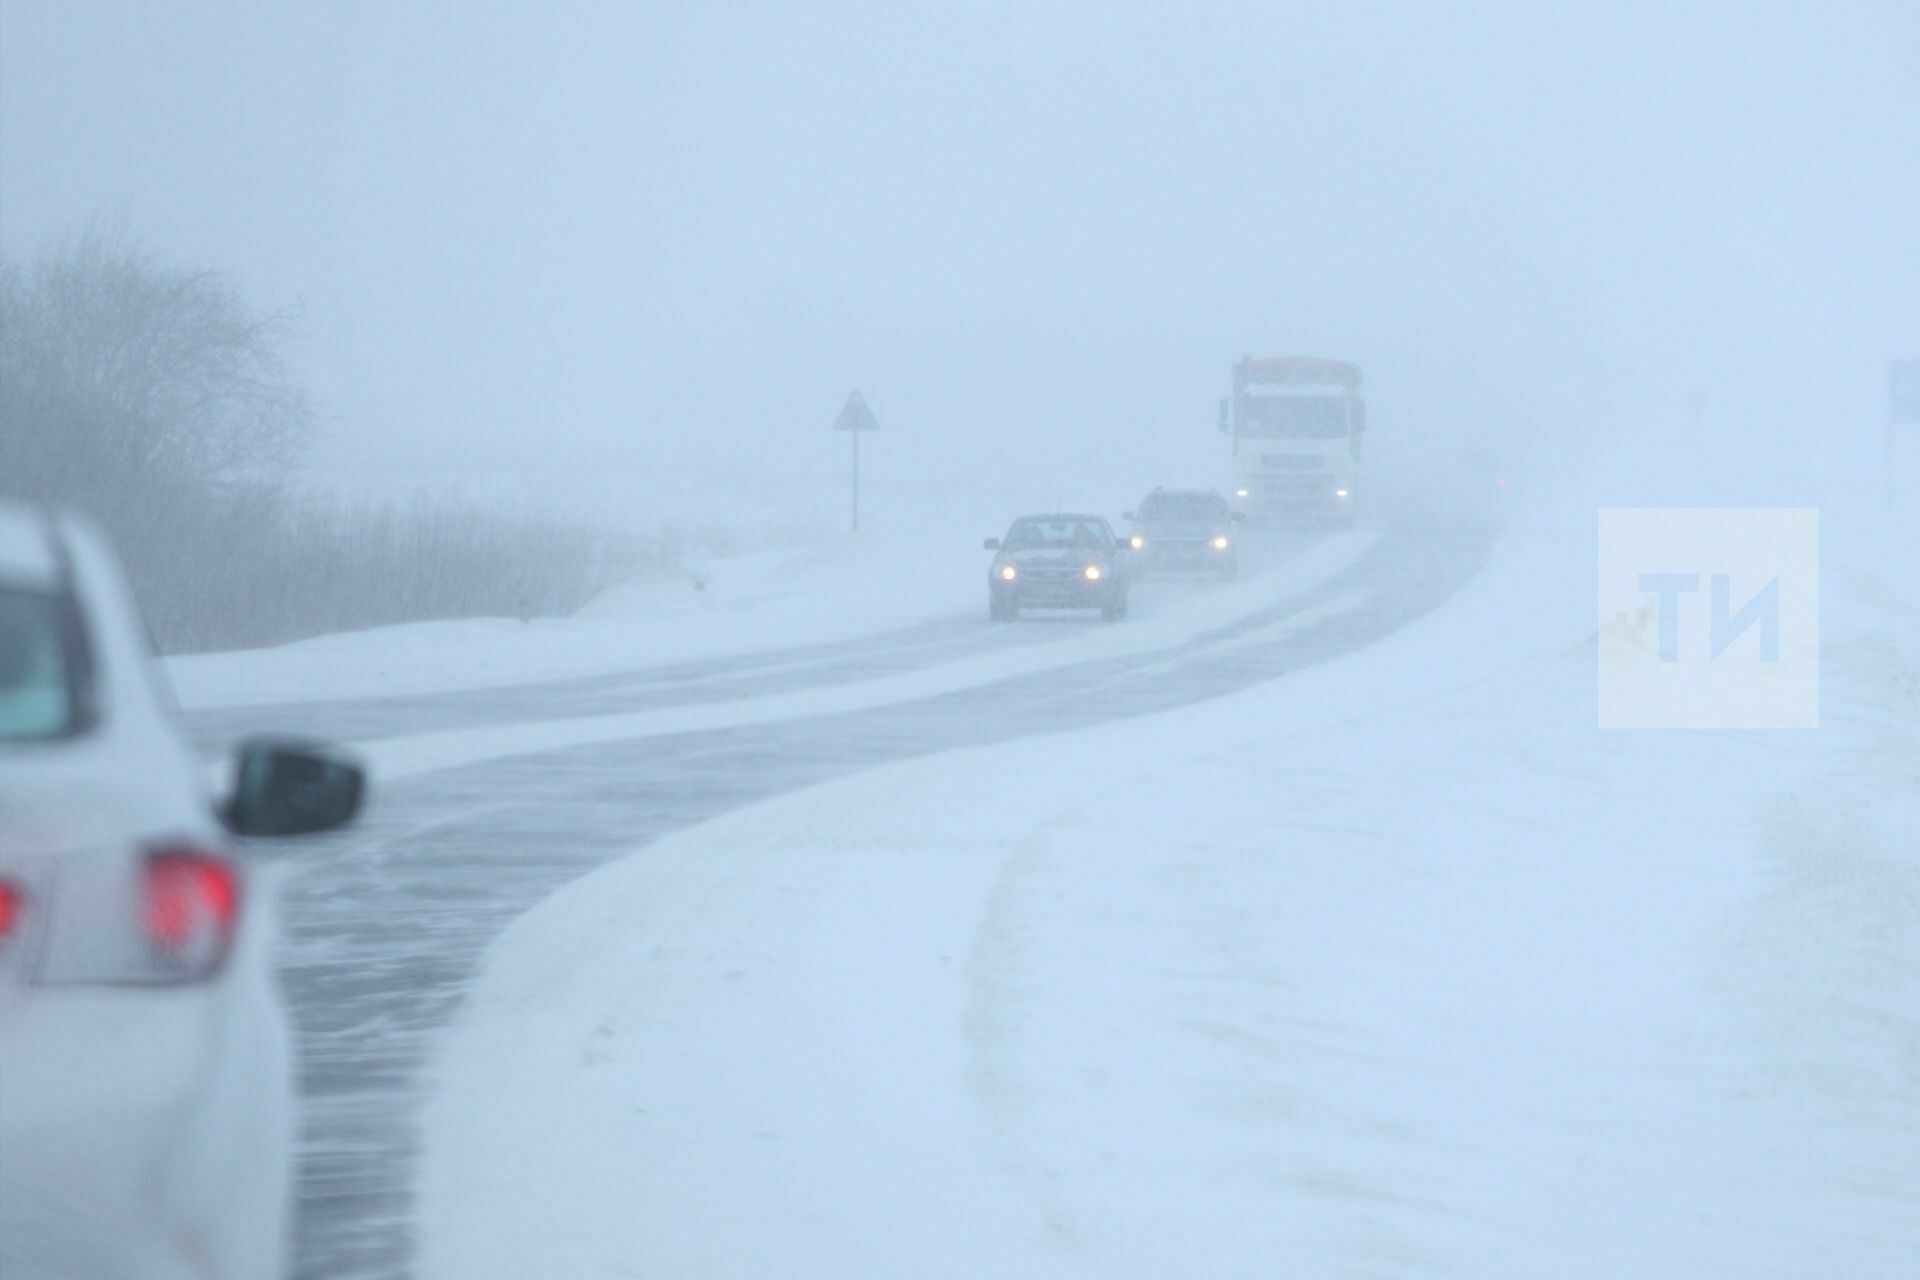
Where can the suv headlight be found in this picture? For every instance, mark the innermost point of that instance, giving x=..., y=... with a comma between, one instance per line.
x=1093, y=573
x=1008, y=573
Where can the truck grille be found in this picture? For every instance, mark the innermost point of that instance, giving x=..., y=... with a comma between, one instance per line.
x=1290, y=461
x=1288, y=488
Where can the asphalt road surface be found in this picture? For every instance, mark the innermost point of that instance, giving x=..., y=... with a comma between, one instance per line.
x=385, y=923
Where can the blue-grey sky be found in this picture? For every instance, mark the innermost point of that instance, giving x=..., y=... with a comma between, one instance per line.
x=616, y=233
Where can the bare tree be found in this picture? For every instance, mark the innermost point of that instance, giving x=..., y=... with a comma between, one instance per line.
x=124, y=378
x=154, y=398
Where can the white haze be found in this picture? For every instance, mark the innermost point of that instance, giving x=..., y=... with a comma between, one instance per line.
x=655, y=246
x=749, y=877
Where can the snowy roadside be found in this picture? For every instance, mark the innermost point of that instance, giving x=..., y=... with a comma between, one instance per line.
x=812, y=594
x=1402, y=968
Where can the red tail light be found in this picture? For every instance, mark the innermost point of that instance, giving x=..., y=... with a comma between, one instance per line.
x=13, y=901
x=189, y=904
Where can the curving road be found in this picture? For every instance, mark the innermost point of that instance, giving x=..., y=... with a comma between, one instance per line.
x=384, y=924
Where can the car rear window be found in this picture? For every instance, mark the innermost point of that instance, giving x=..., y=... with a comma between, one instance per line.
x=39, y=672
x=1067, y=532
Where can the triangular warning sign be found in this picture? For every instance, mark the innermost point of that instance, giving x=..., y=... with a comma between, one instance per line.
x=856, y=416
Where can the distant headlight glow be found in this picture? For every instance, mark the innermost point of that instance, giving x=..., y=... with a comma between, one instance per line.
x=1138, y=541
x=1219, y=542
x=1239, y=493
x=1093, y=573
x=1339, y=493
x=1007, y=573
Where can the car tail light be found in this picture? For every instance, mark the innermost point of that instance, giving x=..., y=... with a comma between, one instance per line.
x=189, y=907
x=13, y=903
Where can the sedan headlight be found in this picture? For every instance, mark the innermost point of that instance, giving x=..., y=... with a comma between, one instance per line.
x=1008, y=573
x=1093, y=573
x=1137, y=541
x=1219, y=542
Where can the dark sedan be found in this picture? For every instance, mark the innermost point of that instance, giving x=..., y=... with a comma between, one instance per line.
x=1187, y=529
x=1062, y=561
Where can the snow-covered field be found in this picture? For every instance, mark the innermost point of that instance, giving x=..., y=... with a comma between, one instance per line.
x=1395, y=967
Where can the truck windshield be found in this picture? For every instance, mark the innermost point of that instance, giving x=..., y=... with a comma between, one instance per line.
x=1293, y=417
x=38, y=694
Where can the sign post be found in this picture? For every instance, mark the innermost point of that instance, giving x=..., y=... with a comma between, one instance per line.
x=1903, y=410
x=855, y=418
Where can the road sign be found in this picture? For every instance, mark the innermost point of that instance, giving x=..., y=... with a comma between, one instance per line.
x=856, y=416
x=1903, y=393
x=854, y=419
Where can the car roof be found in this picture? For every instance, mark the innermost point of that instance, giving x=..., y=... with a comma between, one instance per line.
x=28, y=556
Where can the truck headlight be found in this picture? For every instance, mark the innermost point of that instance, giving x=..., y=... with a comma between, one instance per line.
x=1093, y=573
x=1239, y=493
x=1008, y=573
x=1219, y=542
x=1339, y=493
x=1137, y=541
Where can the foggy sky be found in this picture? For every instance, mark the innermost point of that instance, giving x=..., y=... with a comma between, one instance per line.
x=620, y=234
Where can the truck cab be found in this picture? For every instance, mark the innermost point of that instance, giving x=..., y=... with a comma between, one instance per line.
x=1296, y=424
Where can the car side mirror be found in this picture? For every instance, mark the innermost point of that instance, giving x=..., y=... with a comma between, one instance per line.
x=991, y=544
x=285, y=788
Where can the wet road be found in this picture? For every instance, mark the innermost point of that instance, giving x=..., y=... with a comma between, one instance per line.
x=384, y=924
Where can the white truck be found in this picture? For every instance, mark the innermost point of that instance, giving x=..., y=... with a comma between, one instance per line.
x=1296, y=424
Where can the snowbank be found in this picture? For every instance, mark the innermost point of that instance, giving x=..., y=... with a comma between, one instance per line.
x=1401, y=968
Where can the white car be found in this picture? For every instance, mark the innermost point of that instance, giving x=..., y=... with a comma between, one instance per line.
x=146, y=1113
